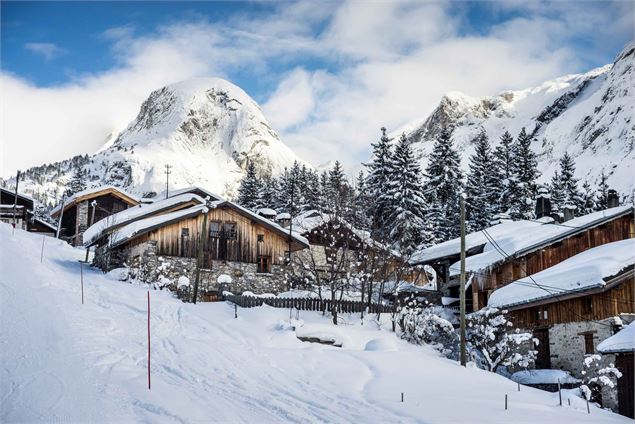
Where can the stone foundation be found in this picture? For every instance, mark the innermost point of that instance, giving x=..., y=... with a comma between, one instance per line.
x=148, y=267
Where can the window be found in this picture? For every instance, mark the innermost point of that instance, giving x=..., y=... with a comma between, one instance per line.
x=587, y=305
x=541, y=314
x=263, y=264
x=230, y=230
x=214, y=229
x=588, y=344
x=261, y=237
x=185, y=232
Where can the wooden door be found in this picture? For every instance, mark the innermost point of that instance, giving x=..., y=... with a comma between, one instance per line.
x=543, y=359
x=624, y=363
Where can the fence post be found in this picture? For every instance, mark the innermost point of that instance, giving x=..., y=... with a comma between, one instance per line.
x=81, y=277
x=505, y=402
x=235, y=310
x=559, y=392
x=42, y=253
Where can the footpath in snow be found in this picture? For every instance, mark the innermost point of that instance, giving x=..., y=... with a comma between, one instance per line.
x=64, y=361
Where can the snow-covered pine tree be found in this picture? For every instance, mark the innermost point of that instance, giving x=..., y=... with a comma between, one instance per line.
x=361, y=204
x=312, y=190
x=588, y=197
x=602, y=199
x=482, y=188
x=525, y=165
x=557, y=193
x=268, y=193
x=77, y=182
x=504, y=167
x=249, y=189
x=377, y=182
x=572, y=194
x=445, y=183
x=406, y=211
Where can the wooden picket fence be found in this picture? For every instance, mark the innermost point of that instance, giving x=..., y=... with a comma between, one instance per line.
x=308, y=304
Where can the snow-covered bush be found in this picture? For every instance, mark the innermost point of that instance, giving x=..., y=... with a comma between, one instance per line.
x=422, y=324
x=490, y=344
x=596, y=376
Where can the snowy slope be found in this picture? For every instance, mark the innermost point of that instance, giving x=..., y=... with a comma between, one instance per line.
x=591, y=116
x=64, y=361
x=207, y=129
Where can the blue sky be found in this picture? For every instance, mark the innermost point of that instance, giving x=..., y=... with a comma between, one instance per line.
x=323, y=72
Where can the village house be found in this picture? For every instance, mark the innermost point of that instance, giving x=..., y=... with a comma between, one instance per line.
x=622, y=345
x=23, y=214
x=362, y=252
x=512, y=250
x=82, y=209
x=161, y=241
x=573, y=306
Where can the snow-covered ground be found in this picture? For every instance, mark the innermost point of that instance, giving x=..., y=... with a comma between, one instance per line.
x=64, y=361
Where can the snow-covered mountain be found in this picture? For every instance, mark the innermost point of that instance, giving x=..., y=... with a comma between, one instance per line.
x=206, y=129
x=590, y=115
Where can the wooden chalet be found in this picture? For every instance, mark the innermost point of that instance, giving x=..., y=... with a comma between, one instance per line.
x=324, y=232
x=512, y=250
x=622, y=345
x=82, y=209
x=574, y=305
x=165, y=243
x=23, y=214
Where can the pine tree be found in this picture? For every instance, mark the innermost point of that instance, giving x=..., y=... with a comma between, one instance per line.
x=589, y=197
x=602, y=199
x=337, y=190
x=557, y=193
x=249, y=189
x=572, y=194
x=504, y=166
x=268, y=193
x=77, y=182
x=406, y=210
x=445, y=182
x=362, y=203
x=377, y=182
x=482, y=186
x=523, y=188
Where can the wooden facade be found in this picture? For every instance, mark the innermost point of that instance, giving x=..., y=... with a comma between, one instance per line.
x=592, y=306
x=548, y=255
x=232, y=235
x=78, y=213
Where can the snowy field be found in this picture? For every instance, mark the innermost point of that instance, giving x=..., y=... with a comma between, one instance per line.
x=64, y=361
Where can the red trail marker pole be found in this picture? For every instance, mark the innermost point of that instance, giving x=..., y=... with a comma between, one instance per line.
x=148, y=339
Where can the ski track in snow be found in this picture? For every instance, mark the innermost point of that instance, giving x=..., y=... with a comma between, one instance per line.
x=63, y=361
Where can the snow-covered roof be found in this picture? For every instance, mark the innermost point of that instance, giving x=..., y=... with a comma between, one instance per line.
x=95, y=191
x=140, y=227
x=283, y=215
x=44, y=223
x=266, y=212
x=622, y=341
x=12, y=193
x=543, y=377
x=98, y=229
x=591, y=269
x=194, y=190
x=513, y=238
x=310, y=220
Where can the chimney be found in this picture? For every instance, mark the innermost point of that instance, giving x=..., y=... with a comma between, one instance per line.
x=569, y=212
x=543, y=203
x=613, y=200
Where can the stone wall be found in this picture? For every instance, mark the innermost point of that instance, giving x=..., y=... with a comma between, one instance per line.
x=82, y=222
x=567, y=348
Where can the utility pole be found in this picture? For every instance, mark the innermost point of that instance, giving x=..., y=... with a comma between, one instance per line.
x=201, y=248
x=167, y=178
x=15, y=199
x=59, y=221
x=462, y=280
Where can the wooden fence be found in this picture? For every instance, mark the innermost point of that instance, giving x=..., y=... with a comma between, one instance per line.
x=309, y=304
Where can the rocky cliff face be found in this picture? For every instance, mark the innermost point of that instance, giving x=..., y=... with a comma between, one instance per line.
x=207, y=130
x=591, y=116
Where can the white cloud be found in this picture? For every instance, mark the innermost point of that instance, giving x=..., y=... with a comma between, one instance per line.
x=385, y=64
x=47, y=50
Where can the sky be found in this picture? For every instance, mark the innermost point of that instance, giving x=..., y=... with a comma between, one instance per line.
x=327, y=75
